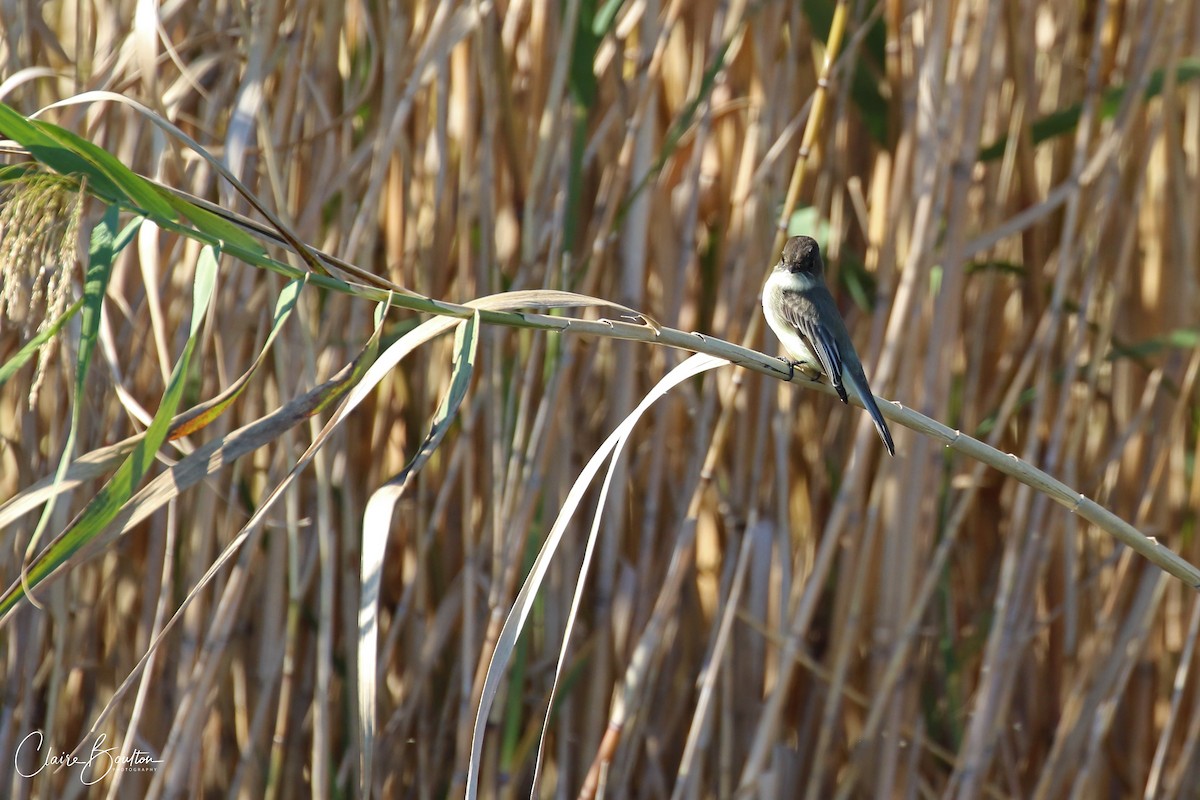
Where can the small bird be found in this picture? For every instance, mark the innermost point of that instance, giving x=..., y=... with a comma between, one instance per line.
x=801, y=311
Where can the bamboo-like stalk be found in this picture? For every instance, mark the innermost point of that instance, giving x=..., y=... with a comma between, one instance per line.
x=772, y=604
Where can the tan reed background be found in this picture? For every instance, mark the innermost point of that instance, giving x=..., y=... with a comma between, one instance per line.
x=908, y=627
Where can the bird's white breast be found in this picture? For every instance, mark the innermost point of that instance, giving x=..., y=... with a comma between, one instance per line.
x=773, y=301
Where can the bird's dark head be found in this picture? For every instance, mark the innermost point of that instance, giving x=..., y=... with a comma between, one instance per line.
x=802, y=255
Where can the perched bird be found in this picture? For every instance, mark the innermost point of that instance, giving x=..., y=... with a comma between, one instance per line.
x=801, y=311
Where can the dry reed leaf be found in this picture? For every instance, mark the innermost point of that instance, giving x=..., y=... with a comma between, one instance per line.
x=1011, y=194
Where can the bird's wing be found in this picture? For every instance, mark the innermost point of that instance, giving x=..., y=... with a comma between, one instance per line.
x=801, y=312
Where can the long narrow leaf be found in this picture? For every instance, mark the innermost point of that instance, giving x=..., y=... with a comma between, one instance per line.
x=65, y=152
x=523, y=604
x=106, y=176
x=205, y=413
x=1065, y=120
x=31, y=348
x=376, y=525
x=103, y=249
x=129, y=475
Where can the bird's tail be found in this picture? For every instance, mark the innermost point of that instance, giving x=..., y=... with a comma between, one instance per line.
x=859, y=383
x=880, y=425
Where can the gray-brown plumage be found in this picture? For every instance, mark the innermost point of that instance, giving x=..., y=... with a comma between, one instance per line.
x=802, y=313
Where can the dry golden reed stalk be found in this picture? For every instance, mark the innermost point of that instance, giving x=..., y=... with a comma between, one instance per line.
x=1007, y=195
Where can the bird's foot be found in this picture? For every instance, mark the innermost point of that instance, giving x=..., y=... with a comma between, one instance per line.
x=802, y=368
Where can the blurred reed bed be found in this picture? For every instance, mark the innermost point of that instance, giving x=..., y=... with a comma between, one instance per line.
x=1007, y=195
